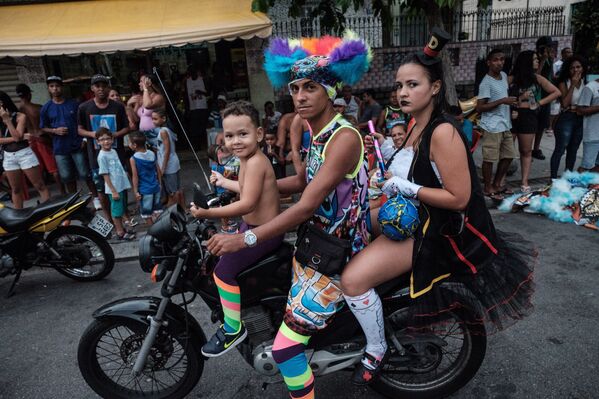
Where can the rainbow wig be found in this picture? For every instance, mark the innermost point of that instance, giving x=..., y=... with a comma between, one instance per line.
x=328, y=60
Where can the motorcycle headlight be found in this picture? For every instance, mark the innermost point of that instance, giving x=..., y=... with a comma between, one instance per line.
x=147, y=250
x=170, y=226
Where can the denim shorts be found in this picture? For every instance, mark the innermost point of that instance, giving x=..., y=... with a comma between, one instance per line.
x=590, y=154
x=149, y=204
x=72, y=166
x=20, y=160
x=171, y=183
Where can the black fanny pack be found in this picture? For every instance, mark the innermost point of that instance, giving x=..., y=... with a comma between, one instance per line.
x=320, y=251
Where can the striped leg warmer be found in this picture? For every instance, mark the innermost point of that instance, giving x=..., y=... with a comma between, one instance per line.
x=288, y=351
x=230, y=299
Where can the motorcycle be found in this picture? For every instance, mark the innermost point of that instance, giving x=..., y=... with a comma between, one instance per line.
x=149, y=347
x=36, y=236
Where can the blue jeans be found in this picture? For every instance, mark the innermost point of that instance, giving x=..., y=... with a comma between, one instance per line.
x=568, y=135
x=71, y=166
x=149, y=204
x=590, y=155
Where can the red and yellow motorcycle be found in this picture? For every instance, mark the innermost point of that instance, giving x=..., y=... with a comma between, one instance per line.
x=36, y=237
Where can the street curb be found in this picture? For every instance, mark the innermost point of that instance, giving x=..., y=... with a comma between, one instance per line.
x=126, y=258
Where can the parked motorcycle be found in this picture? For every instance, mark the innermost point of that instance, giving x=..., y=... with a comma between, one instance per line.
x=36, y=237
x=149, y=347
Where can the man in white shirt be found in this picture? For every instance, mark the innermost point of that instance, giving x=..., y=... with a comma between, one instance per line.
x=197, y=105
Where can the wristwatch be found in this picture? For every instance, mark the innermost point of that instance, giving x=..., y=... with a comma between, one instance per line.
x=249, y=238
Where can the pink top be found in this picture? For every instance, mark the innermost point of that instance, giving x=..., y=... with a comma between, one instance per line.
x=145, y=119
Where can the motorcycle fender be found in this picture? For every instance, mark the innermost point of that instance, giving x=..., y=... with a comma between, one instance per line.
x=139, y=308
x=53, y=221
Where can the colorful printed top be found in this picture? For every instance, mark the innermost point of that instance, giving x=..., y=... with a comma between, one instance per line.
x=345, y=210
x=393, y=116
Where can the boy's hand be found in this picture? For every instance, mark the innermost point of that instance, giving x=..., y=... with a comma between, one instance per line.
x=138, y=196
x=510, y=100
x=197, y=212
x=115, y=196
x=217, y=179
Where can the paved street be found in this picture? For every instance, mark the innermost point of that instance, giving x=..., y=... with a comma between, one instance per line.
x=552, y=354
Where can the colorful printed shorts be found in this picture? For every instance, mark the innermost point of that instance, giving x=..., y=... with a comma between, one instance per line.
x=313, y=299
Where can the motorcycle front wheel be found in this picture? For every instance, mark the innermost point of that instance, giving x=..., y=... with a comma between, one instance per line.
x=107, y=352
x=436, y=363
x=85, y=255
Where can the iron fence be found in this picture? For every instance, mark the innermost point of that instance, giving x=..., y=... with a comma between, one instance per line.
x=407, y=30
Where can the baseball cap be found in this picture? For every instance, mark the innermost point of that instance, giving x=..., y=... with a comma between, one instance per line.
x=99, y=78
x=339, y=101
x=22, y=90
x=221, y=97
x=53, y=78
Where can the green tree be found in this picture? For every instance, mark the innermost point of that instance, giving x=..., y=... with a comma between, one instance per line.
x=332, y=18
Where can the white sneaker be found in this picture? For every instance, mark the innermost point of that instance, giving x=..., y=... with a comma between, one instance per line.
x=97, y=204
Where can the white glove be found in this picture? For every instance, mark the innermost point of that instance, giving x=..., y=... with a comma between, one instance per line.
x=398, y=184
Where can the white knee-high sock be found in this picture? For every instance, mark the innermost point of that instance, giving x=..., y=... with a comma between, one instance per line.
x=368, y=309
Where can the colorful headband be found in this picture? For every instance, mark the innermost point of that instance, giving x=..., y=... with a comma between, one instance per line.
x=328, y=60
x=430, y=54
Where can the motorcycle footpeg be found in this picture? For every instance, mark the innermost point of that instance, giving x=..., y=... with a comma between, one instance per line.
x=216, y=315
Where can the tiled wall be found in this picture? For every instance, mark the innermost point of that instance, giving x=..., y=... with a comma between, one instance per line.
x=464, y=54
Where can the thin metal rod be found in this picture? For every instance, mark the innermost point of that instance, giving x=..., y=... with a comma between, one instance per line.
x=155, y=70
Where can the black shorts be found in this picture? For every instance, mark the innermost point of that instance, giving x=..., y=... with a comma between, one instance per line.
x=526, y=122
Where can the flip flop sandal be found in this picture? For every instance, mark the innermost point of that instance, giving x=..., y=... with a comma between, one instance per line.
x=126, y=237
x=505, y=191
x=495, y=196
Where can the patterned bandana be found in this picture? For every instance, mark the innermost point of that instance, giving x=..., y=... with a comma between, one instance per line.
x=316, y=68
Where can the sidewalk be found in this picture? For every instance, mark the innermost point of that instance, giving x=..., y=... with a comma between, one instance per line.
x=191, y=173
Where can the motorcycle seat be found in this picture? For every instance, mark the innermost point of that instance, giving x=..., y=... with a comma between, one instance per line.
x=283, y=253
x=15, y=220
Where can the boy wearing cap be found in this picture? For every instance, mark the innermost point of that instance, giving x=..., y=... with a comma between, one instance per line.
x=40, y=142
x=99, y=112
x=58, y=118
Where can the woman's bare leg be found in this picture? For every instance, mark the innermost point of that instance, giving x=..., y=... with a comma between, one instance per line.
x=381, y=261
x=35, y=177
x=525, y=143
x=16, y=188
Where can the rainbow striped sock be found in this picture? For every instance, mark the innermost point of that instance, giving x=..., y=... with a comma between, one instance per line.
x=289, y=352
x=230, y=299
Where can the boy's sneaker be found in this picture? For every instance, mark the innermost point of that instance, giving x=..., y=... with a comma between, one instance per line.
x=222, y=341
x=97, y=204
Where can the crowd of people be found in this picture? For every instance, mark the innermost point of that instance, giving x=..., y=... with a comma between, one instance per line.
x=110, y=146
x=539, y=95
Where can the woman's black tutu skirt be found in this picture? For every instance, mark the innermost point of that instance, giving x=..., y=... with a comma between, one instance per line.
x=495, y=297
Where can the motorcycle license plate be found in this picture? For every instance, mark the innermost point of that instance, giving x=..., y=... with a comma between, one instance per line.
x=100, y=225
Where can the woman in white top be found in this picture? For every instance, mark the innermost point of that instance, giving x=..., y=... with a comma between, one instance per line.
x=568, y=129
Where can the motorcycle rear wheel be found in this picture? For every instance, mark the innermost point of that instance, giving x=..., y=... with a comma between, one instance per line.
x=88, y=256
x=435, y=370
x=107, y=367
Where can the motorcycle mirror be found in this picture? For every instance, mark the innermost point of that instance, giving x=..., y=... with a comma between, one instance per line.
x=199, y=199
